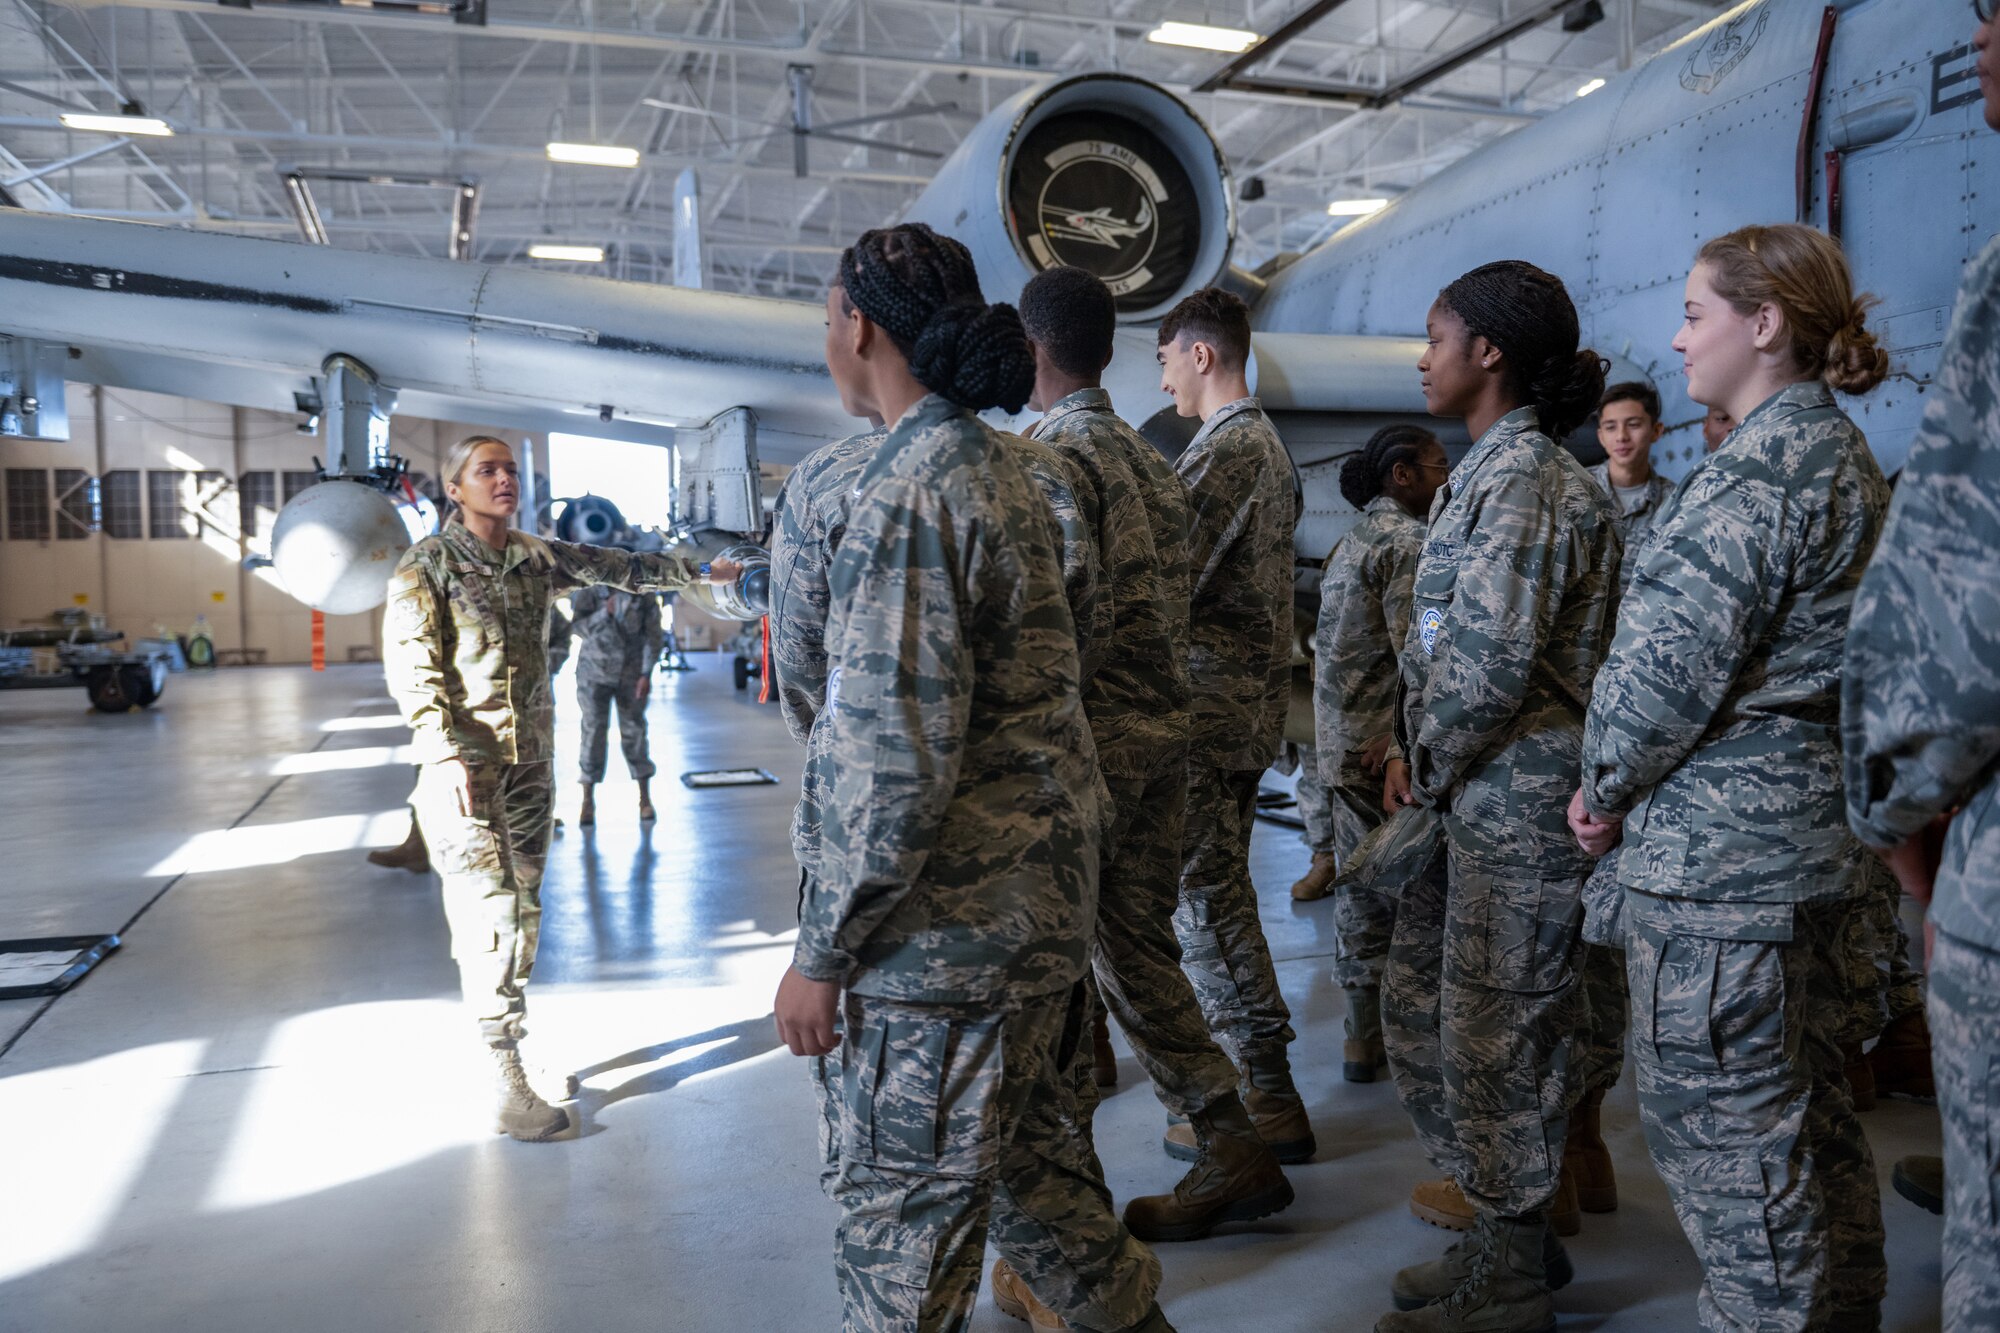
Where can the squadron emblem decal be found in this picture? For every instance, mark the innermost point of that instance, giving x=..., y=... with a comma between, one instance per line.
x=1722, y=51
x=1428, y=626
x=1099, y=197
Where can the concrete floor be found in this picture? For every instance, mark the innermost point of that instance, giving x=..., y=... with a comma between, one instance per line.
x=259, y=1113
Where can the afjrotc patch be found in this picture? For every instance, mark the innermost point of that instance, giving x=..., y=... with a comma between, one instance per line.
x=1428, y=626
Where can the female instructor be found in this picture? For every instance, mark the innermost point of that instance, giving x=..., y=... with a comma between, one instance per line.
x=465, y=651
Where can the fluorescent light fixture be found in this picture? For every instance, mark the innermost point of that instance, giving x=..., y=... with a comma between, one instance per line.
x=573, y=254
x=150, y=125
x=1355, y=208
x=1590, y=88
x=1202, y=37
x=594, y=154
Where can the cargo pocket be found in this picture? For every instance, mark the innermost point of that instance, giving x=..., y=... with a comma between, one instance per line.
x=1524, y=929
x=893, y=1092
x=1722, y=1193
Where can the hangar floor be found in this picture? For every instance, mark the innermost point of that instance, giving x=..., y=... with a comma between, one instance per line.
x=246, y=1119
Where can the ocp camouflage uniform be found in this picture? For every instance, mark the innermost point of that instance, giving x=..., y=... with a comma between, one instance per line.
x=1511, y=610
x=1921, y=721
x=1713, y=732
x=1364, y=616
x=621, y=642
x=465, y=651
x=1137, y=703
x=1244, y=509
x=956, y=886
x=1600, y=1040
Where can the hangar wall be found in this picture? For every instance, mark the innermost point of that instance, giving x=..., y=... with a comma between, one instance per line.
x=173, y=476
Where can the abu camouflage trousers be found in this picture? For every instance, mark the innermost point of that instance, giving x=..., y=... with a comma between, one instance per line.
x=490, y=859
x=1222, y=941
x=1965, y=1023
x=954, y=1119
x=1315, y=803
x=1137, y=956
x=1606, y=1013
x=1363, y=921
x=1479, y=1009
x=1893, y=987
x=1742, y=1092
x=596, y=700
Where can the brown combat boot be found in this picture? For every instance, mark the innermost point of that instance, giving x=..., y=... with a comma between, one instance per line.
x=1235, y=1178
x=1317, y=882
x=1860, y=1076
x=1901, y=1060
x=587, y=816
x=520, y=1112
x=1505, y=1287
x=1277, y=1109
x=1587, y=1159
x=1011, y=1294
x=1362, y=1053
x=646, y=813
x=1565, y=1218
x=1420, y=1284
x=411, y=855
x=1103, y=1060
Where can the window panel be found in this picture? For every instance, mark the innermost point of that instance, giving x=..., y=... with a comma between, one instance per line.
x=27, y=504
x=298, y=481
x=124, y=509
x=257, y=500
x=167, y=516
x=77, y=514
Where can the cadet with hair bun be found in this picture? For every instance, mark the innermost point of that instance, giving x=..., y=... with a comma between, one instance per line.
x=1713, y=738
x=1511, y=613
x=944, y=939
x=1364, y=617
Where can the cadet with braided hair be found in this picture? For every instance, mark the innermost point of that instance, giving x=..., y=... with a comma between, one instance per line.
x=1363, y=618
x=948, y=924
x=1512, y=609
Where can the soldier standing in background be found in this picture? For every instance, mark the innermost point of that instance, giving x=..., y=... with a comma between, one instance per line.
x=1511, y=611
x=1321, y=833
x=1364, y=617
x=1713, y=737
x=1715, y=427
x=1240, y=559
x=1921, y=721
x=944, y=941
x=465, y=637
x=621, y=644
x=1137, y=703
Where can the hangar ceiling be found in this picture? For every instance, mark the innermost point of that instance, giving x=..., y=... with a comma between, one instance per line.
x=384, y=112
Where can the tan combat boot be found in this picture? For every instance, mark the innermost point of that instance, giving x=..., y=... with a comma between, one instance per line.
x=1442, y=1204
x=1504, y=1289
x=1011, y=1294
x=646, y=812
x=1362, y=1053
x=412, y=855
x=1860, y=1076
x=1103, y=1059
x=1317, y=882
x=1587, y=1159
x=1901, y=1060
x=520, y=1112
x=1236, y=1178
x=588, y=814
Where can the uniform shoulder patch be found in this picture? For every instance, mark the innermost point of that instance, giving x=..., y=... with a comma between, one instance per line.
x=1428, y=626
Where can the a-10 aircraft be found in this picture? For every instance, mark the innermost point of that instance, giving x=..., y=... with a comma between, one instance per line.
x=1858, y=116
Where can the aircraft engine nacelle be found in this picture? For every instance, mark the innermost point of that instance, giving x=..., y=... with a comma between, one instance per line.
x=1103, y=171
